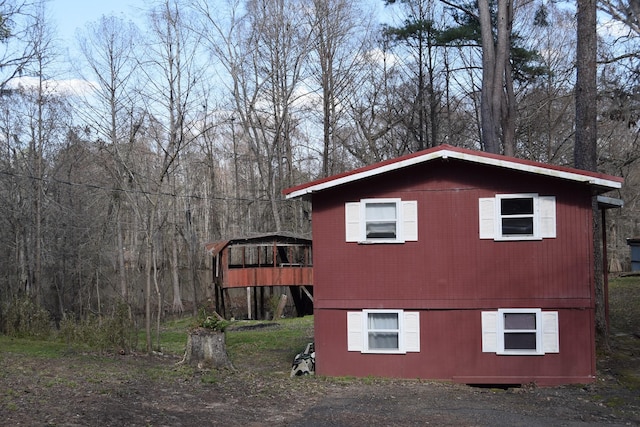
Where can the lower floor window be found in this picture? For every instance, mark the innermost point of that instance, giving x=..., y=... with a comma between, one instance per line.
x=520, y=331
x=383, y=331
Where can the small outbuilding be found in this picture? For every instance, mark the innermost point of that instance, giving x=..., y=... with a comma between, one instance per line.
x=634, y=245
x=459, y=265
x=259, y=262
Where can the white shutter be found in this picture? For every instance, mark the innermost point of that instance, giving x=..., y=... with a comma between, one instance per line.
x=547, y=208
x=354, y=331
x=411, y=331
x=487, y=215
x=352, y=221
x=489, y=331
x=550, y=335
x=410, y=220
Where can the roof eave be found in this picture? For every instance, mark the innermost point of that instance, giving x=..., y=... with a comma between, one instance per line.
x=600, y=184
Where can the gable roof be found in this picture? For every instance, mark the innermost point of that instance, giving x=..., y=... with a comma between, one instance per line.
x=599, y=181
x=214, y=248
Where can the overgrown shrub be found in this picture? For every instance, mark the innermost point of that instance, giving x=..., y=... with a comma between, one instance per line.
x=25, y=319
x=208, y=319
x=107, y=333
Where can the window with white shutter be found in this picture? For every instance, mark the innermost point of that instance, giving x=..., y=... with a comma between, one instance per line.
x=383, y=331
x=520, y=331
x=517, y=217
x=381, y=221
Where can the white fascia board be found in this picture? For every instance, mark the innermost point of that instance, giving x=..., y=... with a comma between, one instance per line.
x=539, y=170
x=444, y=154
x=364, y=174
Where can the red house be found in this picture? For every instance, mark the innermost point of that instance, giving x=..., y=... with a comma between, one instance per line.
x=454, y=264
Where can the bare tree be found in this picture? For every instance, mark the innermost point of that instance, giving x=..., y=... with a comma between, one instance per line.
x=264, y=50
x=40, y=131
x=494, y=19
x=377, y=108
x=418, y=34
x=19, y=22
x=340, y=31
x=625, y=11
x=172, y=75
x=108, y=47
x=546, y=108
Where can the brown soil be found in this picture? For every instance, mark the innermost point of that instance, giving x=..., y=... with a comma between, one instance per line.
x=136, y=390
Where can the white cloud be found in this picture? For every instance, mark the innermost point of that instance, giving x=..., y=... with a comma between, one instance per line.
x=64, y=87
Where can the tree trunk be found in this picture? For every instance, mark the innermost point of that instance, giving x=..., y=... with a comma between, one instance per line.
x=585, y=152
x=585, y=92
x=497, y=114
x=147, y=293
x=122, y=274
x=206, y=349
x=177, y=306
x=509, y=114
x=490, y=137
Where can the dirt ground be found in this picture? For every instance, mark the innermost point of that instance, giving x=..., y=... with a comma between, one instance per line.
x=138, y=390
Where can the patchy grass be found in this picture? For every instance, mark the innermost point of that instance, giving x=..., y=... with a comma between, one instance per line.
x=173, y=335
x=264, y=345
x=623, y=359
x=32, y=347
x=624, y=304
x=273, y=344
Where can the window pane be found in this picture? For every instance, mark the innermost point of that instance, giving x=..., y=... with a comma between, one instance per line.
x=381, y=230
x=383, y=341
x=383, y=321
x=236, y=256
x=514, y=321
x=520, y=341
x=251, y=255
x=520, y=226
x=381, y=211
x=517, y=206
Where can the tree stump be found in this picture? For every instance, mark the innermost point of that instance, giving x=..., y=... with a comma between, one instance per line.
x=206, y=349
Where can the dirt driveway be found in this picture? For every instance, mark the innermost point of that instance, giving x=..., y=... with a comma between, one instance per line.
x=136, y=390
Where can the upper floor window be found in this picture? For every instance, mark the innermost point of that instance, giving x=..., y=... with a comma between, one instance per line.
x=381, y=221
x=517, y=217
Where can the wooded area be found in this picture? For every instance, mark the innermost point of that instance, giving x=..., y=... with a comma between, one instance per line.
x=186, y=129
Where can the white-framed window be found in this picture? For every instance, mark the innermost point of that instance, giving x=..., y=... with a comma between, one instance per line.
x=526, y=216
x=381, y=219
x=383, y=331
x=384, y=220
x=520, y=331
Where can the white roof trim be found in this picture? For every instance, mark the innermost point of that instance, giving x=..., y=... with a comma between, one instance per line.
x=540, y=170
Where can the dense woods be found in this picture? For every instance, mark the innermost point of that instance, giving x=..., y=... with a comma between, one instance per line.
x=120, y=159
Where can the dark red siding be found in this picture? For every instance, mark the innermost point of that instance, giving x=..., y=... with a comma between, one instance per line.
x=452, y=350
x=451, y=275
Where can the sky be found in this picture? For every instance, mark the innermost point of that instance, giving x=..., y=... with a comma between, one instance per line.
x=72, y=14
